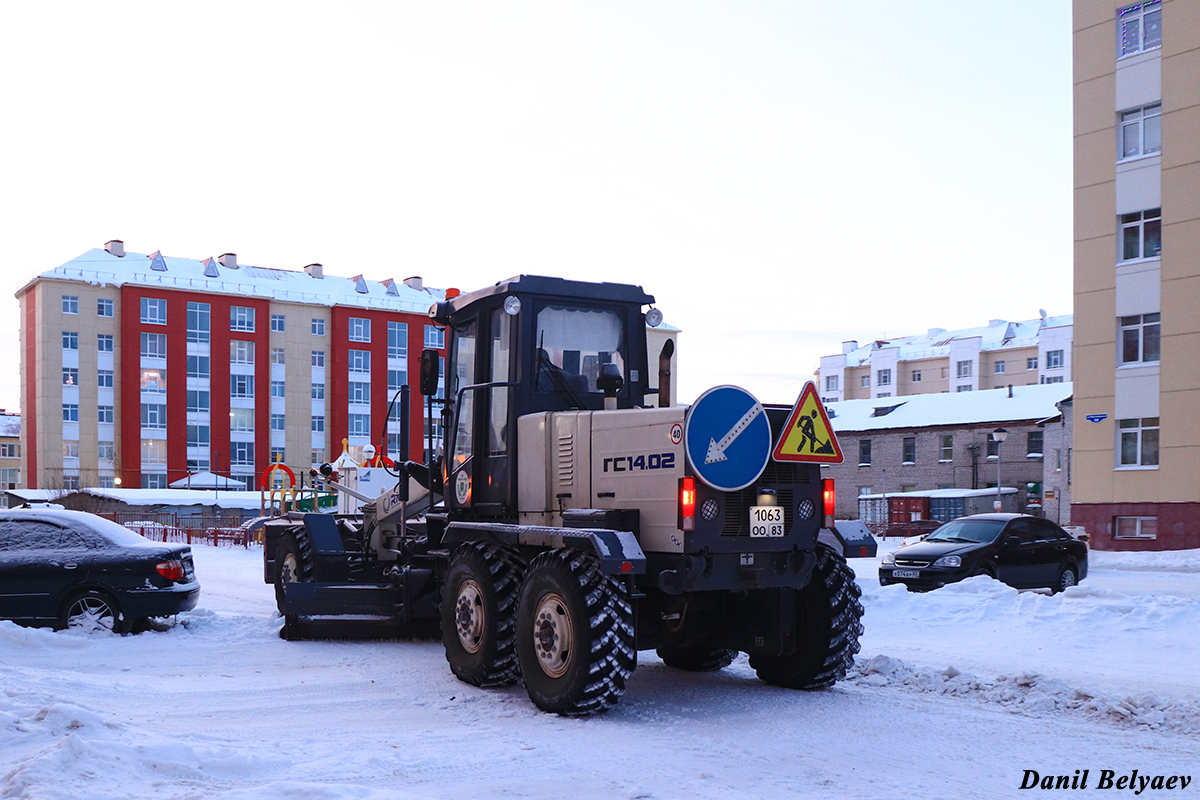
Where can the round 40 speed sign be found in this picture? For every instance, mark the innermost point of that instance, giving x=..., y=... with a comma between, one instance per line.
x=727, y=438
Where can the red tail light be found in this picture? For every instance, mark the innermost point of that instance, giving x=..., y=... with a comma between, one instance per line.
x=171, y=570
x=687, y=504
x=829, y=495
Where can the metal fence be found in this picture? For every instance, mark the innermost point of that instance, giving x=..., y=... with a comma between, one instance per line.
x=190, y=529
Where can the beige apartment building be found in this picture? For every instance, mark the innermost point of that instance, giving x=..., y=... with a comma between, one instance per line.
x=994, y=356
x=1136, y=450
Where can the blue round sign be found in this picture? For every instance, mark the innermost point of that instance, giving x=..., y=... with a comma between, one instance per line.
x=727, y=438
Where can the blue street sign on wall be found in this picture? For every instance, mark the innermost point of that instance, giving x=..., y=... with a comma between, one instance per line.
x=1096, y=417
x=727, y=438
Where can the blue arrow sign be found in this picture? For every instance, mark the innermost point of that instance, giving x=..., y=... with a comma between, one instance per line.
x=1096, y=417
x=727, y=438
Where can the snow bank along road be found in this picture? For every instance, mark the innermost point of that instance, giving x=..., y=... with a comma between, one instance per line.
x=960, y=692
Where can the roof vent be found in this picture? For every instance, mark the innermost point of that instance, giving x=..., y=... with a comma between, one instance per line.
x=390, y=286
x=116, y=247
x=414, y=282
x=360, y=285
x=315, y=270
x=849, y=347
x=210, y=268
x=883, y=411
x=228, y=260
x=156, y=262
x=935, y=331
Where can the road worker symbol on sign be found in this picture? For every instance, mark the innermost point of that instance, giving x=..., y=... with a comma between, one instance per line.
x=808, y=436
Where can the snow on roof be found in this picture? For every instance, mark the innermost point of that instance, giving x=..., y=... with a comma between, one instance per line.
x=10, y=425
x=1000, y=335
x=101, y=268
x=936, y=493
x=247, y=501
x=1036, y=402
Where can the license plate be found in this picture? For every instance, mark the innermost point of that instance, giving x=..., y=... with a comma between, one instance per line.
x=766, y=521
x=906, y=573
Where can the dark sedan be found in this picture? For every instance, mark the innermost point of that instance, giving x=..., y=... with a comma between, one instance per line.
x=70, y=569
x=1024, y=552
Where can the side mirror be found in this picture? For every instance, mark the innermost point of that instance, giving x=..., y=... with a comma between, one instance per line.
x=1012, y=541
x=429, y=372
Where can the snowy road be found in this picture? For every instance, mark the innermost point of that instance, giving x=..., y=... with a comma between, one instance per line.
x=1100, y=678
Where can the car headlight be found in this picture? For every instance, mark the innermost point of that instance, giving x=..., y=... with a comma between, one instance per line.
x=948, y=561
x=889, y=558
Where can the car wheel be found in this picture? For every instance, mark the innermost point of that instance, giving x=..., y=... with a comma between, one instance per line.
x=1066, y=579
x=92, y=611
x=574, y=634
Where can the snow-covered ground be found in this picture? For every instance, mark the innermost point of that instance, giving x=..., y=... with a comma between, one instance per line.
x=957, y=692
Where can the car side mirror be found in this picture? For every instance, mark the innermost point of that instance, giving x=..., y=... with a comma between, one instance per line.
x=1012, y=541
x=429, y=372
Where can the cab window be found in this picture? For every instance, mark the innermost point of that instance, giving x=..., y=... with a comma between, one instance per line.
x=572, y=342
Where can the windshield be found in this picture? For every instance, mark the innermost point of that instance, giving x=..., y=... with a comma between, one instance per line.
x=981, y=531
x=573, y=343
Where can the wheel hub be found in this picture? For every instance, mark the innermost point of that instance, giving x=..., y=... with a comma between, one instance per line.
x=469, y=617
x=553, y=635
x=289, y=571
x=89, y=615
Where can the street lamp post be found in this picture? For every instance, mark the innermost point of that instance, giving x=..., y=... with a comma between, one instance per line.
x=998, y=437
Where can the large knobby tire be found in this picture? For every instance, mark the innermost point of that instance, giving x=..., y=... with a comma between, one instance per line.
x=91, y=612
x=479, y=608
x=575, y=639
x=293, y=561
x=828, y=614
x=695, y=658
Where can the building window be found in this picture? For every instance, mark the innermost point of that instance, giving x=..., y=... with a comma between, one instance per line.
x=864, y=490
x=198, y=367
x=154, y=415
x=993, y=447
x=277, y=321
x=70, y=376
x=154, y=311
x=277, y=355
x=318, y=457
x=1139, y=28
x=360, y=392
x=865, y=382
x=278, y=422
x=831, y=383
x=318, y=358
x=318, y=327
x=104, y=343
x=241, y=454
x=1139, y=442
x=1054, y=359
x=998, y=367
x=241, y=352
x=104, y=308
x=70, y=304
x=197, y=400
x=1031, y=363
x=1054, y=379
x=278, y=456
x=1141, y=131
x=946, y=451
x=10, y=478
x=70, y=340
x=883, y=377
x=10, y=450
x=105, y=415
x=360, y=361
x=393, y=445
x=154, y=480
x=1141, y=235
x=104, y=378
x=106, y=451
x=864, y=452
x=964, y=388
x=435, y=337
x=1135, y=527
x=359, y=425
x=70, y=448
x=199, y=322
x=396, y=379
x=318, y=391
x=965, y=369
x=916, y=376
x=241, y=419
x=70, y=412
x=1140, y=338
x=882, y=395
x=909, y=455
x=154, y=345
x=197, y=436
x=360, y=329
x=397, y=340
x=277, y=389
x=1033, y=444
x=318, y=424
x=154, y=381
x=241, y=386
x=241, y=318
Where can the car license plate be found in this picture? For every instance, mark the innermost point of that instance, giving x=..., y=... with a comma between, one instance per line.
x=766, y=521
x=906, y=573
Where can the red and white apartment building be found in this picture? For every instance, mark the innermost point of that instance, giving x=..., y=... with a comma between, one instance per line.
x=138, y=370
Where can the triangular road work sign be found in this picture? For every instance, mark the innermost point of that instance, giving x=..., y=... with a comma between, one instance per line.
x=808, y=436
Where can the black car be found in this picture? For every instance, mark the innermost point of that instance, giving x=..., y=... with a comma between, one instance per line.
x=70, y=569
x=1024, y=552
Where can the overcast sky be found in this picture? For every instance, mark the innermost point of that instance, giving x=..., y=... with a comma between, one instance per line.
x=780, y=175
